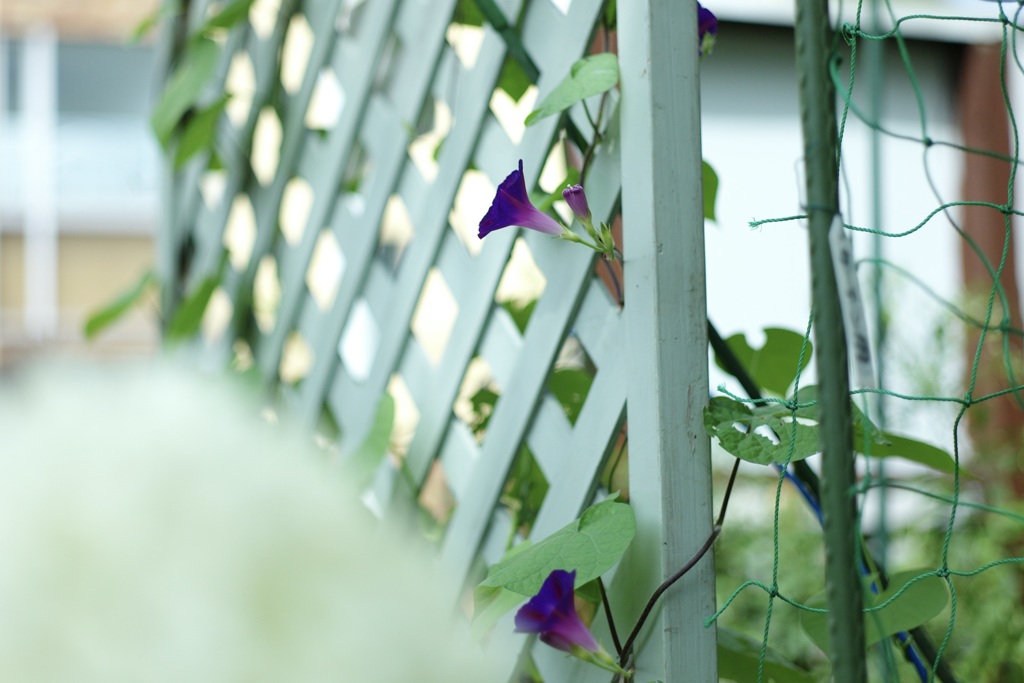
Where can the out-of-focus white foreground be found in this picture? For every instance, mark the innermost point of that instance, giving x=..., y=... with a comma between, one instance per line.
x=153, y=529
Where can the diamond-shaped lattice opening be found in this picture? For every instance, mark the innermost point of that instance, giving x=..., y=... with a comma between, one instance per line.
x=407, y=416
x=434, y=126
x=571, y=378
x=358, y=346
x=349, y=16
x=240, y=83
x=435, y=315
x=554, y=171
x=389, y=57
x=326, y=433
x=472, y=200
x=240, y=232
x=396, y=231
x=466, y=41
x=266, y=145
x=241, y=356
x=521, y=283
x=211, y=187
x=357, y=168
x=554, y=178
x=298, y=45
x=263, y=16
x=478, y=394
x=524, y=491
x=266, y=294
x=615, y=475
x=562, y=5
x=296, y=203
x=296, y=359
x=514, y=80
x=325, y=269
x=436, y=496
x=326, y=102
x=217, y=315
x=511, y=114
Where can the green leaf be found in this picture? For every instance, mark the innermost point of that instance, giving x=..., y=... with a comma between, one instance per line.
x=482, y=402
x=871, y=441
x=489, y=605
x=215, y=163
x=520, y=313
x=739, y=656
x=571, y=386
x=200, y=132
x=544, y=202
x=525, y=489
x=921, y=601
x=227, y=17
x=513, y=80
x=590, y=545
x=590, y=76
x=589, y=592
x=610, y=14
x=363, y=462
x=143, y=27
x=113, y=311
x=710, y=185
x=466, y=12
x=166, y=9
x=761, y=434
x=911, y=449
x=184, y=86
x=773, y=367
x=189, y=316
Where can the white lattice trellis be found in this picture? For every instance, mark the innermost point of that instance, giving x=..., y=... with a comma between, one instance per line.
x=354, y=197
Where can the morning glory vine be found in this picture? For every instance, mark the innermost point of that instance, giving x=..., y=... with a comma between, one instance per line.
x=551, y=613
x=553, y=586
x=512, y=207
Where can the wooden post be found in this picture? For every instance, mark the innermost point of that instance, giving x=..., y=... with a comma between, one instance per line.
x=666, y=313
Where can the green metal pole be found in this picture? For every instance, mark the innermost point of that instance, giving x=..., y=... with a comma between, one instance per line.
x=818, y=117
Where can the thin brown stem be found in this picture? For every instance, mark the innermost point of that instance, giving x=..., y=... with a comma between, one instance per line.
x=588, y=156
x=666, y=584
x=609, y=617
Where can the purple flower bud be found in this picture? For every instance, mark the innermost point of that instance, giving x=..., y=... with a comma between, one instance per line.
x=511, y=206
x=707, y=28
x=552, y=614
x=577, y=200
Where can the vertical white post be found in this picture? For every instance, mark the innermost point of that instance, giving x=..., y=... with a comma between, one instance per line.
x=38, y=117
x=665, y=302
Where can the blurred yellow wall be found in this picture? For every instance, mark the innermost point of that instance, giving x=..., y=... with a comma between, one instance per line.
x=12, y=276
x=92, y=271
x=93, y=266
x=108, y=20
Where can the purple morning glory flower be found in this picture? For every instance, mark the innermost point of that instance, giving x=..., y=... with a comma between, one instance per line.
x=552, y=614
x=577, y=200
x=511, y=206
x=707, y=28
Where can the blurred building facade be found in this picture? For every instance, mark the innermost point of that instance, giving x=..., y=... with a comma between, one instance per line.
x=79, y=173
